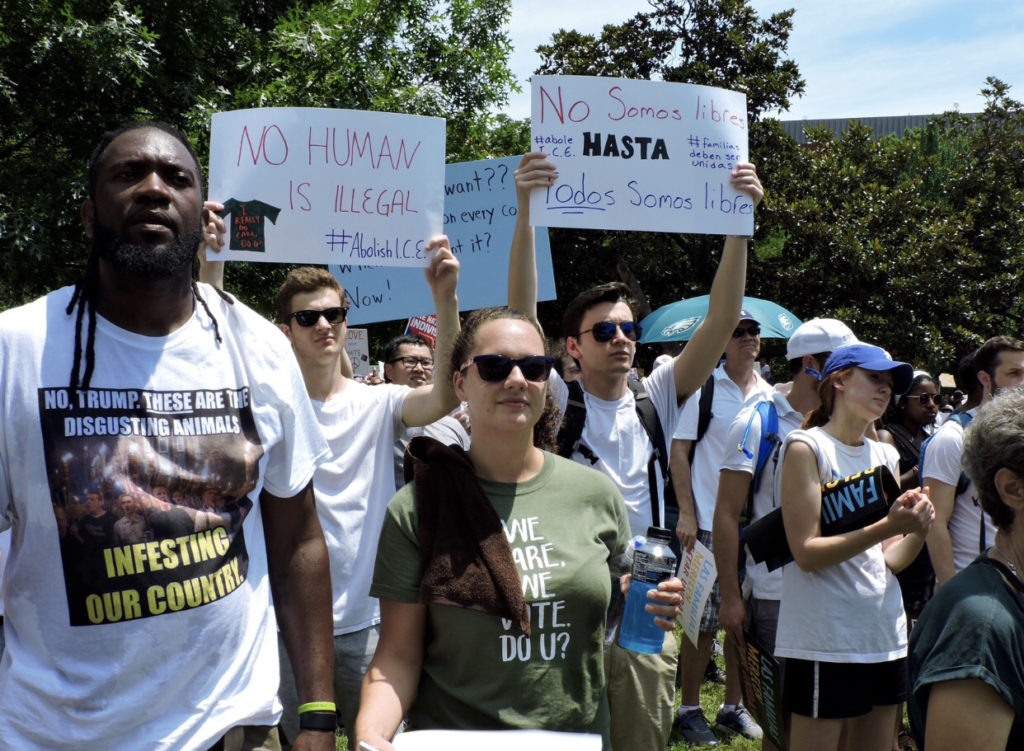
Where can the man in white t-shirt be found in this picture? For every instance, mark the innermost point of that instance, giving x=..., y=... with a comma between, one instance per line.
x=807, y=350
x=736, y=382
x=601, y=331
x=961, y=529
x=139, y=376
x=361, y=424
x=409, y=361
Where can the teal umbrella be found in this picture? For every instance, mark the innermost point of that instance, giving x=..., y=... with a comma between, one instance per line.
x=677, y=321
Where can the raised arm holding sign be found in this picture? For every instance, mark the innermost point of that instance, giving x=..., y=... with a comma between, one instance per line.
x=307, y=185
x=644, y=155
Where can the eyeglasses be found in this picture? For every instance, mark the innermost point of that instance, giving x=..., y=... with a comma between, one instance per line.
x=925, y=399
x=307, y=318
x=604, y=331
x=739, y=331
x=411, y=362
x=495, y=368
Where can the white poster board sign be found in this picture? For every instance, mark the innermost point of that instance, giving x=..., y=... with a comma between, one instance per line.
x=640, y=155
x=357, y=345
x=495, y=740
x=698, y=573
x=307, y=185
x=479, y=218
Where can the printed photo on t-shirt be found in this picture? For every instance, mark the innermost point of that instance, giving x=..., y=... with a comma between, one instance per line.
x=149, y=490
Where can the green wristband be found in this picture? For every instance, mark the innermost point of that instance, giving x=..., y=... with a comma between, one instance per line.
x=317, y=706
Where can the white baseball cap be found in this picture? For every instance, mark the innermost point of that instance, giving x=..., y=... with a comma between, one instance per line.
x=818, y=335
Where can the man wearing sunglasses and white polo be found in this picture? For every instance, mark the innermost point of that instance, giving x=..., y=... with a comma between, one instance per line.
x=601, y=330
x=736, y=383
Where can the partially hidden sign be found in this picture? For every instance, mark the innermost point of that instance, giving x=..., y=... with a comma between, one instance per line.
x=327, y=186
x=480, y=212
x=640, y=155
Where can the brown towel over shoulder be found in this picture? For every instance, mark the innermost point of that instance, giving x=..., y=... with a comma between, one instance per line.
x=466, y=557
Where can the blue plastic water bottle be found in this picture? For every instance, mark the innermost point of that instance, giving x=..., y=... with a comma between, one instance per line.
x=653, y=562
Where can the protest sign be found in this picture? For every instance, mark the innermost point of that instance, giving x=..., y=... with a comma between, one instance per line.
x=698, y=573
x=479, y=218
x=424, y=327
x=761, y=682
x=307, y=185
x=357, y=345
x=640, y=155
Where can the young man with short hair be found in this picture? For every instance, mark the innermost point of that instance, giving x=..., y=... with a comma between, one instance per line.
x=736, y=383
x=961, y=529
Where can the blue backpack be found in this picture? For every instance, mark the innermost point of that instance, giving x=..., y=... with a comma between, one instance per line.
x=963, y=481
x=768, y=447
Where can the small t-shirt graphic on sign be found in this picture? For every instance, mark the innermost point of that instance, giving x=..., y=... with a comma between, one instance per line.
x=247, y=223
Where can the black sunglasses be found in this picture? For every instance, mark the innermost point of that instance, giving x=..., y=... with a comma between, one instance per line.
x=495, y=368
x=307, y=318
x=739, y=331
x=924, y=399
x=604, y=331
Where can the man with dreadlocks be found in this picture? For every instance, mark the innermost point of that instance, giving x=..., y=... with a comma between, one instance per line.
x=139, y=377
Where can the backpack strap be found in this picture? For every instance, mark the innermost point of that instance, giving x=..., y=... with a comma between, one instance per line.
x=963, y=419
x=707, y=395
x=571, y=433
x=648, y=417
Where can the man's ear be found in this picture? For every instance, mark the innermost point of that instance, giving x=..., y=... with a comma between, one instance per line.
x=458, y=383
x=88, y=216
x=572, y=346
x=986, y=381
x=286, y=329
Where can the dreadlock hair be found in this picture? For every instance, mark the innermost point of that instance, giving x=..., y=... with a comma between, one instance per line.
x=87, y=287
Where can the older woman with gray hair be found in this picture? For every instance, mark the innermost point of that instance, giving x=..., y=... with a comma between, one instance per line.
x=967, y=650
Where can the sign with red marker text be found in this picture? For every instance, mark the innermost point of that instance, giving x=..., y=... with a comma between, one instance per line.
x=307, y=185
x=357, y=345
x=640, y=155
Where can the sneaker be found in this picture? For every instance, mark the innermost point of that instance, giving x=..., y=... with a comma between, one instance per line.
x=739, y=722
x=714, y=674
x=694, y=727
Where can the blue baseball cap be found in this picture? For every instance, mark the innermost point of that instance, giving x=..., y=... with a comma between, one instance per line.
x=870, y=357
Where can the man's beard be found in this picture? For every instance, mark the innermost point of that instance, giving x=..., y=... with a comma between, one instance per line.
x=146, y=261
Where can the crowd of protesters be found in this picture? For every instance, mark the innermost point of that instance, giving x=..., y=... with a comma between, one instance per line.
x=449, y=549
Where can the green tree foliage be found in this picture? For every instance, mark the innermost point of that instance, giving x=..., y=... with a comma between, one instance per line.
x=916, y=242
x=70, y=69
x=720, y=43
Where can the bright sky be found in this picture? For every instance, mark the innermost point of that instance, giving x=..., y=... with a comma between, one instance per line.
x=859, y=58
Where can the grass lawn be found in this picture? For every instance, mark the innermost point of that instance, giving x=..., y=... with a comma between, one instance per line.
x=711, y=695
